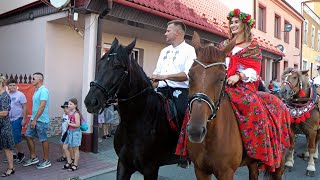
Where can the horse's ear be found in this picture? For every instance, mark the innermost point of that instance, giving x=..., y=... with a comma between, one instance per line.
x=114, y=44
x=130, y=47
x=230, y=46
x=196, y=41
x=305, y=72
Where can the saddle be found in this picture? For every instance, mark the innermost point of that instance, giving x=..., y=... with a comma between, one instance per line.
x=171, y=111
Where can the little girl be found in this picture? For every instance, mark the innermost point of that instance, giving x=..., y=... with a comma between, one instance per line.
x=73, y=139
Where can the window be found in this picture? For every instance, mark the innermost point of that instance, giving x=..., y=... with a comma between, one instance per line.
x=318, y=40
x=286, y=34
x=304, y=65
x=285, y=64
x=305, y=32
x=297, y=37
x=277, y=24
x=137, y=53
x=262, y=18
x=313, y=34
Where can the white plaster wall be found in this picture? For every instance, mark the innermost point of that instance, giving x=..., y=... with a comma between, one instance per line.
x=22, y=47
x=63, y=65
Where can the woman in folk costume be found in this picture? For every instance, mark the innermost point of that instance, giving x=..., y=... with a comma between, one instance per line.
x=263, y=119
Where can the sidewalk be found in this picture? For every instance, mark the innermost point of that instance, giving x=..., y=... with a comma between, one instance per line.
x=90, y=164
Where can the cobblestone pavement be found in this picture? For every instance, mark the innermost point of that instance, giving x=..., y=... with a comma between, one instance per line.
x=172, y=172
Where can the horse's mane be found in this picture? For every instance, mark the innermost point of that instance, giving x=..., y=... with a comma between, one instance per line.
x=212, y=54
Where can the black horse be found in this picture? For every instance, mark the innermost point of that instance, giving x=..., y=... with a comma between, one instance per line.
x=143, y=140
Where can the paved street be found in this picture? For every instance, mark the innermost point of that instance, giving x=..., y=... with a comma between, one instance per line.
x=175, y=173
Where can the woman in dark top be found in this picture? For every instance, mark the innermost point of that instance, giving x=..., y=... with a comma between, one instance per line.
x=6, y=138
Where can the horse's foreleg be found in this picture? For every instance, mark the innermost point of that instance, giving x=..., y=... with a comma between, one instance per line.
x=201, y=175
x=312, y=148
x=253, y=171
x=316, y=154
x=226, y=174
x=123, y=172
x=151, y=173
x=290, y=159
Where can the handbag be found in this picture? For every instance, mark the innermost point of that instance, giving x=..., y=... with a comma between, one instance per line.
x=84, y=125
x=64, y=136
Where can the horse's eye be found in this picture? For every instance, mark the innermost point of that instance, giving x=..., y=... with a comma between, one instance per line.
x=294, y=77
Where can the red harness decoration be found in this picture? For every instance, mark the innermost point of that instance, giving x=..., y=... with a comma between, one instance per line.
x=300, y=112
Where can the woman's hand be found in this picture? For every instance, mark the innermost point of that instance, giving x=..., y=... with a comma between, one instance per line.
x=232, y=80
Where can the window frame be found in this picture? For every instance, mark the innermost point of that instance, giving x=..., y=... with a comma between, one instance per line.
x=306, y=30
x=277, y=28
x=286, y=37
x=313, y=36
x=263, y=18
x=297, y=37
x=304, y=64
x=318, y=45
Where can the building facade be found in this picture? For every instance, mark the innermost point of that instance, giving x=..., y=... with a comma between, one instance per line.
x=271, y=18
x=311, y=38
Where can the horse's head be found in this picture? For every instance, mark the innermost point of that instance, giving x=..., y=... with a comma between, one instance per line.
x=111, y=74
x=207, y=78
x=293, y=81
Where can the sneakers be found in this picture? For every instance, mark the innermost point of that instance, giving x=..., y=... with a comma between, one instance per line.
x=31, y=161
x=20, y=158
x=106, y=136
x=44, y=164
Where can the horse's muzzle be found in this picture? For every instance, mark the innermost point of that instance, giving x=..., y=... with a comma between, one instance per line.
x=196, y=133
x=92, y=104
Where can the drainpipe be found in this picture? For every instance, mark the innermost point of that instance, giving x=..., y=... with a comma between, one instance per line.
x=302, y=30
x=95, y=134
x=167, y=16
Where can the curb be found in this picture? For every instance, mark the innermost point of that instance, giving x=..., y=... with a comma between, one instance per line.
x=100, y=172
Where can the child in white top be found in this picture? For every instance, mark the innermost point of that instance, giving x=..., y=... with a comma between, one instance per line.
x=64, y=124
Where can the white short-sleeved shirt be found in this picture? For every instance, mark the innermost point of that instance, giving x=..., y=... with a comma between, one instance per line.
x=18, y=99
x=316, y=80
x=251, y=74
x=173, y=60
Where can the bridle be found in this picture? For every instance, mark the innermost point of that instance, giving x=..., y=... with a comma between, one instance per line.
x=205, y=98
x=292, y=92
x=112, y=94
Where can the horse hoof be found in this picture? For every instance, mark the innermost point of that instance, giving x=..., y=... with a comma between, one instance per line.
x=289, y=168
x=311, y=173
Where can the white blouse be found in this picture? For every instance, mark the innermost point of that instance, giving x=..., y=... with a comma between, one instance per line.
x=249, y=73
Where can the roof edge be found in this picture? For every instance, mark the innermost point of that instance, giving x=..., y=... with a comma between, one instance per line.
x=22, y=8
x=167, y=16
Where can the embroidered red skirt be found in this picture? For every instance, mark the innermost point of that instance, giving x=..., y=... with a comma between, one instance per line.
x=264, y=123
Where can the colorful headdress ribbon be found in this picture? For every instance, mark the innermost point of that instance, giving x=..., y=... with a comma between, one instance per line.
x=246, y=18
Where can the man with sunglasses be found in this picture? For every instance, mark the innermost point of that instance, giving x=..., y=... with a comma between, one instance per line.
x=39, y=123
x=18, y=117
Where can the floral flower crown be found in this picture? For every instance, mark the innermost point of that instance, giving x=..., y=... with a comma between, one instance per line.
x=246, y=18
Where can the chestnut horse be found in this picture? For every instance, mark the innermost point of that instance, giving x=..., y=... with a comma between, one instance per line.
x=215, y=145
x=294, y=81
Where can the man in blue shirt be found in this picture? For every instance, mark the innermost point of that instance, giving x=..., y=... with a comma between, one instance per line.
x=39, y=123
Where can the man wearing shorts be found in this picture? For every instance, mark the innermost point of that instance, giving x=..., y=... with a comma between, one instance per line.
x=39, y=123
x=18, y=116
